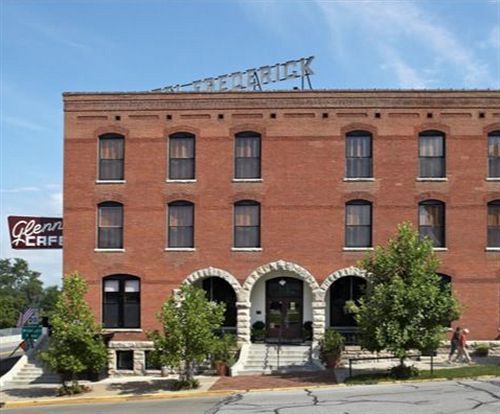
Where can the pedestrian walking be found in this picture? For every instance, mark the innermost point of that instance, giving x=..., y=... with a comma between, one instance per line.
x=454, y=343
x=463, y=354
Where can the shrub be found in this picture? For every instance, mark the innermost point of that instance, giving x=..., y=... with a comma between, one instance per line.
x=185, y=384
x=258, y=331
x=482, y=350
x=404, y=371
x=331, y=344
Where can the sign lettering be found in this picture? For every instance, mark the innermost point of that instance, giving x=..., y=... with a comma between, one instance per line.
x=35, y=232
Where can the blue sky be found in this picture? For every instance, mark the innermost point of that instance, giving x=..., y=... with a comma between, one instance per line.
x=48, y=47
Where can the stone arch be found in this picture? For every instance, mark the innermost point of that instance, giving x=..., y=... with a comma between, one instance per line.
x=213, y=272
x=290, y=267
x=244, y=305
x=346, y=271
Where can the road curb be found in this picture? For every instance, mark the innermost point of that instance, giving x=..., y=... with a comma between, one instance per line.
x=201, y=394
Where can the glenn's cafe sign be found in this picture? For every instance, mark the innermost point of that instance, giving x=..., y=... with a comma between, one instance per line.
x=35, y=232
x=250, y=79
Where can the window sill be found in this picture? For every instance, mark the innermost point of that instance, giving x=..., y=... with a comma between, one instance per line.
x=110, y=330
x=109, y=250
x=432, y=179
x=492, y=178
x=110, y=181
x=180, y=249
x=246, y=249
x=180, y=181
x=439, y=249
x=247, y=180
x=492, y=249
x=361, y=179
x=357, y=249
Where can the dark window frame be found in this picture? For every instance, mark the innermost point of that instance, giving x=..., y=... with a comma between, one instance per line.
x=257, y=227
x=101, y=229
x=353, y=281
x=119, y=360
x=170, y=241
x=442, y=227
x=173, y=161
x=365, y=159
x=118, y=161
x=493, y=161
x=347, y=227
x=246, y=135
x=422, y=159
x=492, y=232
x=119, y=299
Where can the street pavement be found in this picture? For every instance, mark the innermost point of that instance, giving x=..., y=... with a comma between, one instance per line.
x=440, y=397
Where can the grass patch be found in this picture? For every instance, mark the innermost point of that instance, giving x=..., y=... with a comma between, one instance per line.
x=448, y=373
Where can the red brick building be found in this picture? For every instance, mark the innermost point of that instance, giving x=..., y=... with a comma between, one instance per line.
x=269, y=199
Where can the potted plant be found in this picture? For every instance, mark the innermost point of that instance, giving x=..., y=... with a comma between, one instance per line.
x=223, y=352
x=258, y=332
x=331, y=348
x=307, y=330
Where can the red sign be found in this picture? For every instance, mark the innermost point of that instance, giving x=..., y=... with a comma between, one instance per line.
x=35, y=232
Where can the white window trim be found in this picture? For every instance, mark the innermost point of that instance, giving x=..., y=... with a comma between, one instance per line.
x=357, y=249
x=492, y=178
x=191, y=180
x=440, y=249
x=432, y=179
x=492, y=249
x=110, y=181
x=180, y=249
x=357, y=179
x=247, y=180
x=246, y=249
x=101, y=250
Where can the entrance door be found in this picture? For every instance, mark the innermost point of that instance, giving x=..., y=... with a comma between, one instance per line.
x=284, y=308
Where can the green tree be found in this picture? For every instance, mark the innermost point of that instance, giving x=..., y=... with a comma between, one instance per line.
x=20, y=287
x=189, y=320
x=75, y=345
x=48, y=303
x=405, y=307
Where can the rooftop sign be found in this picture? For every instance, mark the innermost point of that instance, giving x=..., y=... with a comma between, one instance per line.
x=250, y=79
x=35, y=232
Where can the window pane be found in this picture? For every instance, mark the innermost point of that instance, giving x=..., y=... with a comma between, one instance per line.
x=359, y=146
x=494, y=145
x=131, y=315
x=111, y=285
x=181, y=169
x=432, y=167
x=431, y=146
x=494, y=167
x=125, y=360
x=247, y=168
x=111, y=315
x=180, y=236
x=358, y=236
x=111, y=148
x=246, y=215
x=131, y=286
x=493, y=236
x=247, y=147
x=436, y=234
x=110, y=216
x=431, y=215
x=110, y=238
x=181, y=215
x=358, y=214
x=181, y=147
x=359, y=167
x=111, y=170
x=246, y=236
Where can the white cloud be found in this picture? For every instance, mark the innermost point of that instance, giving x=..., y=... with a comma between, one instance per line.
x=20, y=190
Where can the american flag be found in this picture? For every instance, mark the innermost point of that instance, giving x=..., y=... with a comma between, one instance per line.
x=24, y=317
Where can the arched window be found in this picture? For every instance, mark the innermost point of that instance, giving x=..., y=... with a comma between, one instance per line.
x=181, y=156
x=431, y=154
x=431, y=221
x=359, y=154
x=218, y=290
x=246, y=224
x=494, y=154
x=111, y=155
x=110, y=225
x=181, y=224
x=121, y=302
x=342, y=290
x=494, y=223
x=247, y=155
x=358, y=224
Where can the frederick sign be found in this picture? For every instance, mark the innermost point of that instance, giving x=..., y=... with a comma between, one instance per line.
x=35, y=232
x=249, y=79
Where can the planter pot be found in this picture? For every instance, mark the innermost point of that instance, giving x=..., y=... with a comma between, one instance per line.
x=221, y=368
x=332, y=360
